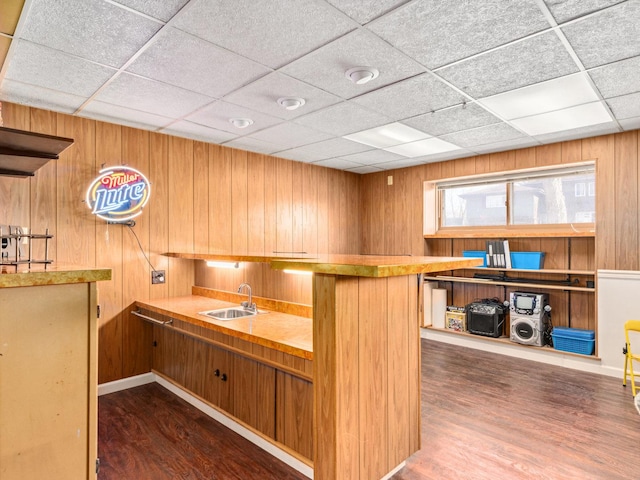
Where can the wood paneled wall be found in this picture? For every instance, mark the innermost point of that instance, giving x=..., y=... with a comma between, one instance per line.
x=391, y=215
x=205, y=198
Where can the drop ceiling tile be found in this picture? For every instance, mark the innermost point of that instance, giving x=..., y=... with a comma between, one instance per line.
x=452, y=119
x=253, y=145
x=534, y=60
x=186, y=129
x=53, y=69
x=578, y=116
x=617, y=78
x=482, y=135
x=161, y=10
x=363, y=11
x=34, y=96
x=342, y=119
x=512, y=144
x=123, y=116
x=372, y=157
x=403, y=163
x=335, y=147
x=272, y=32
x=607, y=37
x=630, y=123
x=582, y=132
x=410, y=97
x=289, y=135
x=91, y=29
x=364, y=170
x=325, y=68
x=437, y=33
x=218, y=114
x=338, y=163
x=566, y=10
x=151, y=96
x=626, y=106
x=439, y=157
x=263, y=94
x=189, y=62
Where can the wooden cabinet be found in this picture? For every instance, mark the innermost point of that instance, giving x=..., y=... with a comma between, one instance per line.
x=294, y=413
x=48, y=382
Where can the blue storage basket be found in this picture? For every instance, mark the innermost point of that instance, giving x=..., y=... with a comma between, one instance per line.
x=527, y=260
x=574, y=340
x=476, y=254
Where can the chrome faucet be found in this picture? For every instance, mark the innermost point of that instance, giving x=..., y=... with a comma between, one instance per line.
x=248, y=305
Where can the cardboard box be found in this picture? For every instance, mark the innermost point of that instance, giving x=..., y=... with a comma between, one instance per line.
x=456, y=319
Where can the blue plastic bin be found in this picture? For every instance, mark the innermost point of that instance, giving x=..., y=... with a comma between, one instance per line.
x=476, y=254
x=527, y=260
x=574, y=340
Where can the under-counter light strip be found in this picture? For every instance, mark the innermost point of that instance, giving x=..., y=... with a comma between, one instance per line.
x=297, y=272
x=215, y=264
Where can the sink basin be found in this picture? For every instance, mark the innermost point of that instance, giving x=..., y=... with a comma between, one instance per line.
x=229, y=313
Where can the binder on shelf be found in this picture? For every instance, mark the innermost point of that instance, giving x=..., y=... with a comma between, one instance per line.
x=490, y=254
x=507, y=254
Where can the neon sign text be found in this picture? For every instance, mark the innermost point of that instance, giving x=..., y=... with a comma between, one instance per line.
x=118, y=194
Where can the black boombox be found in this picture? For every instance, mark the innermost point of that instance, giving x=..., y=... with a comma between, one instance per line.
x=486, y=317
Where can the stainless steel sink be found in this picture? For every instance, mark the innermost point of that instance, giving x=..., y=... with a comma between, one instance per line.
x=229, y=313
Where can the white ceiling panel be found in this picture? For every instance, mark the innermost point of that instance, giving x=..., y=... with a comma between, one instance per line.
x=372, y=157
x=402, y=163
x=454, y=119
x=34, y=96
x=325, y=68
x=218, y=116
x=289, y=135
x=253, y=145
x=410, y=97
x=338, y=163
x=263, y=94
x=608, y=36
x=579, y=116
x=363, y=11
x=630, y=123
x=513, y=144
x=56, y=70
x=534, y=60
x=183, y=128
x=626, y=106
x=482, y=135
x=91, y=29
x=189, y=62
x=106, y=112
x=163, y=10
x=336, y=147
x=565, y=10
x=437, y=33
x=591, y=130
x=342, y=119
x=272, y=32
x=365, y=169
x=151, y=96
x=438, y=157
x=617, y=78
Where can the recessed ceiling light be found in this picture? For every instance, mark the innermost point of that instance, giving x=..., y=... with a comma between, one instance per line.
x=241, y=122
x=567, y=119
x=361, y=75
x=291, y=103
x=387, y=135
x=429, y=146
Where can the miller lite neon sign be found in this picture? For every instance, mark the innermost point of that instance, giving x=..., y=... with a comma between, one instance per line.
x=118, y=194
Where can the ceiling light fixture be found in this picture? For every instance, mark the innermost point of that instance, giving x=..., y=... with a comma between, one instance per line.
x=241, y=122
x=291, y=103
x=361, y=75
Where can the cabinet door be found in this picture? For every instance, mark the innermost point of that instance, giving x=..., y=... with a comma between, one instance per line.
x=216, y=378
x=253, y=389
x=294, y=413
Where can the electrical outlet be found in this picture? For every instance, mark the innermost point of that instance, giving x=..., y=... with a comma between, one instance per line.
x=157, y=276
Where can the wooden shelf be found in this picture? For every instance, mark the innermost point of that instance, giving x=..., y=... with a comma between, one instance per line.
x=528, y=270
x=505, y=340
x=483, y=281
x=479, y=233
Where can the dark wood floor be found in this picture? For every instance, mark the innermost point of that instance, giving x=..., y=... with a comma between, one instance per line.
x=484, y=416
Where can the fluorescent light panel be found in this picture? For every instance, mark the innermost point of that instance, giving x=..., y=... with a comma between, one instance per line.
x=543, y=97
x=429, y=146
x=387, y=135
x=567, y=119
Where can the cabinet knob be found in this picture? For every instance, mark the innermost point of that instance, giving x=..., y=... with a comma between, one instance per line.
x=216, y=372
x=223, y=377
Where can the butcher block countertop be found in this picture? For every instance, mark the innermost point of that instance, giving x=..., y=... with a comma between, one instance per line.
x=53, y=275
x=283, y=332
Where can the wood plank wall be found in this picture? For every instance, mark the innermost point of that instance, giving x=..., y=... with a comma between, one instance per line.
x=205, y=198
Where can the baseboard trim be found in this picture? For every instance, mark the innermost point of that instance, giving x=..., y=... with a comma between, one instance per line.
x=126, y=383
x=394, y=471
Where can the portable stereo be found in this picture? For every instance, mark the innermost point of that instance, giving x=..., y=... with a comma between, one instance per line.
x=526, y=304
x=486, y=317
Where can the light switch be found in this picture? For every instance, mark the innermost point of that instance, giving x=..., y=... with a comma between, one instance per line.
x=390, y=180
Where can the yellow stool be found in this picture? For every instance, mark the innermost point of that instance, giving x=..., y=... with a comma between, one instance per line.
x=630, y=326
